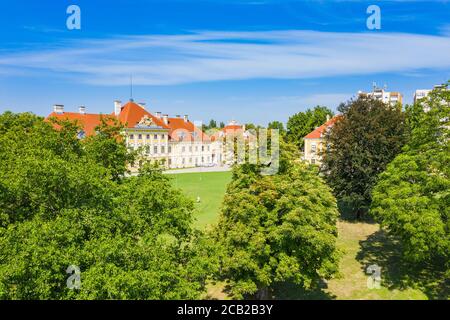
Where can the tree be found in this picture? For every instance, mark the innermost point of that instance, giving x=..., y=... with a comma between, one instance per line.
x=250, y=126
x=412, y=197
x=276, y=229
x=60, y=206
x=302, y=123
x=367, y=136
x=222, y=125
x=108, y=147
x=212, y=124
x=278, y=126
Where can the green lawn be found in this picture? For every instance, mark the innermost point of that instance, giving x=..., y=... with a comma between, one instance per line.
x=362, y=243
x=210, y=187
x=365, y=244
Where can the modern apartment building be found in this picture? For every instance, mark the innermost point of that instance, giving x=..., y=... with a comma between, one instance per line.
x=423, y=93
x=381, y=94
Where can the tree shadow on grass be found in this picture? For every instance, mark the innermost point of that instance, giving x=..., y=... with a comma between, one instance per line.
x=347, y=213
x=384, y=250
x=288, y=291
x=292, y=291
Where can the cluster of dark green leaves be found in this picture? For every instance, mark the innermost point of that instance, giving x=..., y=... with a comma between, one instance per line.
x=367, y=136
x=276, y=229
x=412, y=198
x=277, y=125
x=64, y=201
x=302, y=123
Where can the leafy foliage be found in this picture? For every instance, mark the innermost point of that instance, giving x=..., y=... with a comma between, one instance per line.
x=104, y=149
x=367, y=136
x=63, y=202
x=412, y=198
x=276, y=229
x=278, y=126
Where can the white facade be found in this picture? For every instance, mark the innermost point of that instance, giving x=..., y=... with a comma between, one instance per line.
x=185, y=154
x=381, y=94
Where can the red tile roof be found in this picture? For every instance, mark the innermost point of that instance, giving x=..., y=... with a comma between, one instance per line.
x=319, y=131
x=181, y=130
x=131, y=113
x=232, y=127
x=87, y=121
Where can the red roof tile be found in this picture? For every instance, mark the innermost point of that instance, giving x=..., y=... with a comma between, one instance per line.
x=319, y=131
x=131, y=113
x=87, y=121
x=181, y=130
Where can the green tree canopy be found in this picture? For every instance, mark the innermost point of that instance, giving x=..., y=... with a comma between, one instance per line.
x=277, y=125
x=276, y=229
x=367, y=136
x=105, y=147
x=62, y=205
x=212, y=124
x=302, y=123
x=412, y=198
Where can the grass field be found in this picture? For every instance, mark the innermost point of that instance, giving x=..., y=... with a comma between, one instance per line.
x=210, y=187
x=362, y=243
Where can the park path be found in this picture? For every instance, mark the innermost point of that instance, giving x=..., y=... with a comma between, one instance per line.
x=198, y=170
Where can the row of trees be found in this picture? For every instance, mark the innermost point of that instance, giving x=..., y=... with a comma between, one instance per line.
x=66, y=202
x=395, y=164
x=212, y=125
x=412, y=196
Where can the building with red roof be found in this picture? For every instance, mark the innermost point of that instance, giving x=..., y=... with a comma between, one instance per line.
x=315, y=142
x=175, y=141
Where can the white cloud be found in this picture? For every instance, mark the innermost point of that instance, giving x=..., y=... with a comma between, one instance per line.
x=212, y=56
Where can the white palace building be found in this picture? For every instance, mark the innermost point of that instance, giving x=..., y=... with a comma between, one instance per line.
x=174, y=142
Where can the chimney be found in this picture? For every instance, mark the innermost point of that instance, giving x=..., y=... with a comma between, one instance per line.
x=158, y=114
x=82, y=109
x=166, y=119
x=143, y=105
x=58, y=108
x=328, y=117
x=186, y=118
x=117, y=107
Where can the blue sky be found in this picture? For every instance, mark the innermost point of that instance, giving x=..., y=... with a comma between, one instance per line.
x=253, y=61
